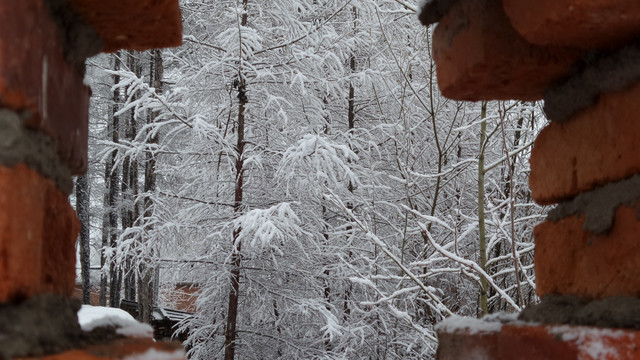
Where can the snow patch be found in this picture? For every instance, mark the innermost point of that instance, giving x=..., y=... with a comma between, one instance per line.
x=87, y=80
x=590, y=340
x=502, y=317
x=153, y=354
x=469, y=325
x=92, y=317
x=365, y=282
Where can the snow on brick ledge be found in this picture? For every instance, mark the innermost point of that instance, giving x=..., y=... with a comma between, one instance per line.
x=465, y=338
x=137, y=346
x=488, y=324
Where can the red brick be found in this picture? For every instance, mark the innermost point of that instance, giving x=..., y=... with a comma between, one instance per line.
x=459, y=345
x=577, y=23
x=567, y=342
x=61, y=227
x=38, y=229
x=120, y=349
x=133, y=24
x=479, y=56
x=22, y=199
x=570, y=260
x=34, y=76
x=541, y=342
x=598, y=145
x=533, y=343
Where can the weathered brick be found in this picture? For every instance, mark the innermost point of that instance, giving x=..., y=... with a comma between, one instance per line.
x=34, y=76
x=133, y=24
x=597, y=146
x=540, y=342
x=460, y=345
x=60, y=231
x=122, y=349
x=535, y=342
x=577, y=23
x=572, y=261
x=22, y=199
x=479, y=56
x=38, y=229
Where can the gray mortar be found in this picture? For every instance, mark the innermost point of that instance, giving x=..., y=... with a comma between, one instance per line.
x=614, y=312
x=79, y=39
x=38, y=151
x=433, y=11
x=43, y=325
x=598, y=72
x=599, y=205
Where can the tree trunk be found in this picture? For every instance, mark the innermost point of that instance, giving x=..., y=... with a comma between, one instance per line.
x=114, y=272
x=230, y=335
x=128, y=186
x=351, y=125
x=105, y=234
x=82, y=208
x=145, y=282
x=234, y=291
x=327, y=274
x=109, y=218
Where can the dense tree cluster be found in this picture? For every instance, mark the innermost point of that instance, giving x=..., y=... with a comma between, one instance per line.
x=295, y=161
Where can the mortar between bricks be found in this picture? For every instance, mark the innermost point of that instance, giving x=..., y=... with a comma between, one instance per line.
x=38, y=82
x=598, y=146
x=21, y=145
x=599, y=205
x=597, y=72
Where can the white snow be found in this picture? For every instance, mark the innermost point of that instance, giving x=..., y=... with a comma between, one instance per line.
x=91, y=317
x=503, y=317
x=87, y=80
x=153, y=354
x=468, y=325
x=591, y=340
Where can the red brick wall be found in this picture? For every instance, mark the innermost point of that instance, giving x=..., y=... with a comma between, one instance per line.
x=534, y=49
x=42, y=90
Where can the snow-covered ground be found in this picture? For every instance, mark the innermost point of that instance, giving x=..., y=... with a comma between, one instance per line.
x=91, y=317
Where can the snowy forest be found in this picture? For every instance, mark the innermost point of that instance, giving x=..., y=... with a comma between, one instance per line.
x=295, y=164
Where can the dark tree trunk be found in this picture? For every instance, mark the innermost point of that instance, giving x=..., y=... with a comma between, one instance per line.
x=82, y=208
x=351, y=125
x=109, y=218
x=114, y=272
x=105, y=235
x=236, y=257
x=230, y=335
x=129, y=186
x=145, y=282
